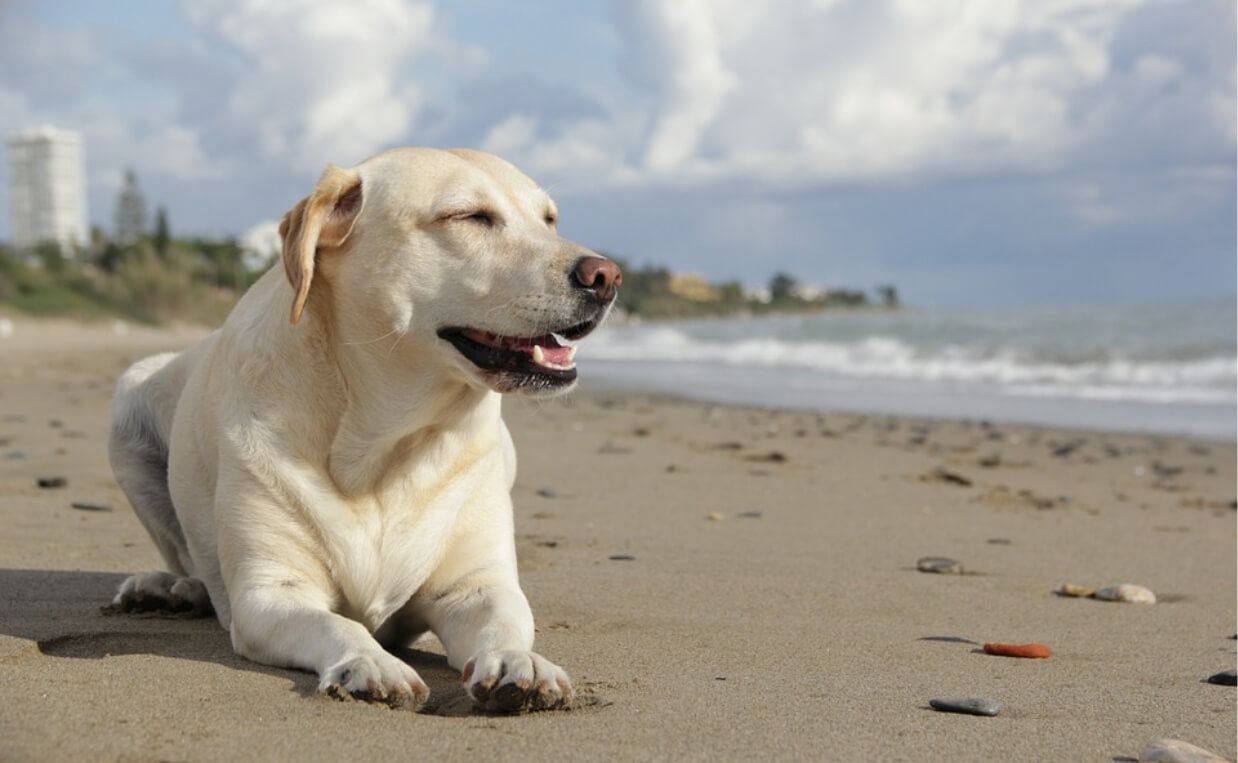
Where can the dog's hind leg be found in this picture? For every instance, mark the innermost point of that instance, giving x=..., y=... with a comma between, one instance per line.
x=138, y=451
x=163, y=592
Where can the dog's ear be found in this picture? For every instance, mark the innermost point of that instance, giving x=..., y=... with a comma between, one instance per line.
x=322, y=219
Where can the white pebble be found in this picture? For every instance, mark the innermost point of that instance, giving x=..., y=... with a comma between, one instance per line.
x=1177, y=751
x=1127, y=592
x=6, y=328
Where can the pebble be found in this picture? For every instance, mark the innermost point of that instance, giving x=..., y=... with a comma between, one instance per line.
x=547, y=492
x=1018, y=650
x=939, y=564
x=52, y=482
x=622, y=558
x=1127, y=592
x=1070, y=589
x=773, y=457
x=1176, y=751
x=83, y=506
x=941, y=474
x=751, y=514
x=1224, y=678
x=969, y=706
x=714, y=516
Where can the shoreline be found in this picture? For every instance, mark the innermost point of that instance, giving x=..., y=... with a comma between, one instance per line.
x=719, y=581
x=1212, y=423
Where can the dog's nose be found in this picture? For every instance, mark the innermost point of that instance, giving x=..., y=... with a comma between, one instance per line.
x=599, y=275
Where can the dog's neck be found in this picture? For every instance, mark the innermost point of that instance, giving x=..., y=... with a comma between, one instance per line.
x=395, y=416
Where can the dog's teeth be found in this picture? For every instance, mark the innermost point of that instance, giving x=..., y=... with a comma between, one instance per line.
x=571, y=353
x=539, y=356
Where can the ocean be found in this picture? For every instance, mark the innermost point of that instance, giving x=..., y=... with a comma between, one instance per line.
x=1163, y=368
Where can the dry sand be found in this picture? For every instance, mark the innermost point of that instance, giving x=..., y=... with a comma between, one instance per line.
x=721, y=583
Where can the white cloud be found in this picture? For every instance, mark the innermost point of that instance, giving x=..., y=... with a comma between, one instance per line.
x=260, y=245
x=324, y=81
x=800, y=91
x=514, y=133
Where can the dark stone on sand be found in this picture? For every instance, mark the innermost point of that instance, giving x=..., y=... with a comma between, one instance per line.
x=1224, y=678
x=751, y=514
x=83, y=506
x=939, y=564
x=941, y=474
x=17, y=455
x=773, y=457
x=967, y=706
x=48, y=483
x=622, y=558
x=999, y=541
x=1064, y=450
x=547, y=492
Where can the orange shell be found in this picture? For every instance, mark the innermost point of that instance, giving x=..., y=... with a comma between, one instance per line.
x=1018, y=650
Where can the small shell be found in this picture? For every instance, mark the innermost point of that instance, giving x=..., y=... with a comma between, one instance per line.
x=1018, y=650
x=1070, y=589
x=1127, y=592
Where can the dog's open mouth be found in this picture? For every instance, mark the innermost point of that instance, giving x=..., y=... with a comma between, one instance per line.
x=546, y=360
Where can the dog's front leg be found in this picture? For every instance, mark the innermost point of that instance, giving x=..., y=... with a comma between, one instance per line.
x=286, y=622
x=485, y=623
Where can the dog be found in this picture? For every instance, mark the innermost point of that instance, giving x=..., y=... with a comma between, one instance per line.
x=328, y=472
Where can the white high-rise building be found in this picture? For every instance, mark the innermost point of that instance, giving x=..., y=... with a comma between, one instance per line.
x=47, y=186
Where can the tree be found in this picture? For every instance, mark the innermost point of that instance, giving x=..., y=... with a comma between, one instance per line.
x=162, y=235
x=130, y=211
x=782, y=287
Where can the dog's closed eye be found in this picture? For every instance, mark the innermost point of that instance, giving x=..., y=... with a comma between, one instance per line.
x=479, y=216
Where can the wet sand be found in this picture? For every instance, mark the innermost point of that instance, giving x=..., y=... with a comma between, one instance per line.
x=720, y=582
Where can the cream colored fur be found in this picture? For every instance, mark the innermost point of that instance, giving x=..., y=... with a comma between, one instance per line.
x=328, y=471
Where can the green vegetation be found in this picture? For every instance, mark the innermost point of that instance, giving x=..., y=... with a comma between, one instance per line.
x=653, y=292
x=139, y=275
x=150, y=276
x=198, y=281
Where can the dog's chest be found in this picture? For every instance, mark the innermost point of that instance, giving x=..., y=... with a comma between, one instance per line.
x=382, y=555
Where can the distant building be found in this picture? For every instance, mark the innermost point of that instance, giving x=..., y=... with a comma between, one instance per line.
x=47, y=186
x=694, y=287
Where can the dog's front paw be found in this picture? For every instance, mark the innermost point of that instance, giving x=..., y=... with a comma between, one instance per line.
x=378, y=678
x=515, y=682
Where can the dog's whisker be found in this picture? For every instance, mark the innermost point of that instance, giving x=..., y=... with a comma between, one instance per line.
x=371, y=341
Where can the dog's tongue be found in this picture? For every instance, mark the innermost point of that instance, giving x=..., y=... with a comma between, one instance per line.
x=556, y=355
x=543, y=350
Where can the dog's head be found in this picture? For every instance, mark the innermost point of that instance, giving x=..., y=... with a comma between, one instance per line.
x=448, y=256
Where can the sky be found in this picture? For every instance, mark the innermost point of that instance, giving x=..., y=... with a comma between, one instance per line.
x=971, y=152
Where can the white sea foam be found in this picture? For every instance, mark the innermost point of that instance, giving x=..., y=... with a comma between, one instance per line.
x=1023, y=360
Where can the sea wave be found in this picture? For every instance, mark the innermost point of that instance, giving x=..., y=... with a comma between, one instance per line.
x=1102, y=375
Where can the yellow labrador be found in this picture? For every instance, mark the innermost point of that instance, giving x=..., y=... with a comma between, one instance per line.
x=328, y=472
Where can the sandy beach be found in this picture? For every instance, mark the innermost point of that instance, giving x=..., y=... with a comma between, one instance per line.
x=720, y=582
